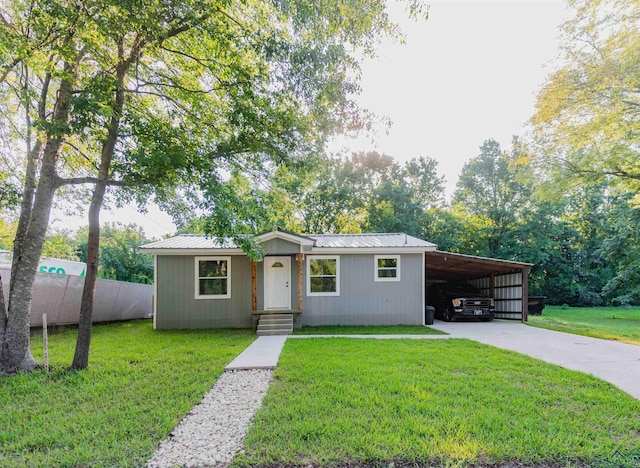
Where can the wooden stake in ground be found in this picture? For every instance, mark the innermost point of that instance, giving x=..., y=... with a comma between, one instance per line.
x=45, y=342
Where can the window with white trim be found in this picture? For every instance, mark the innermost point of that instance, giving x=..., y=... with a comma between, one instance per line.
x=213, y=277
x=323, y=276
x=387, y=268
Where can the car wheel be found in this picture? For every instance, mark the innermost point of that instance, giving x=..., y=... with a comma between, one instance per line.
x=447, y=316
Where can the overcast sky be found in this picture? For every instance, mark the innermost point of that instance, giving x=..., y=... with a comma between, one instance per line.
x=469, y=73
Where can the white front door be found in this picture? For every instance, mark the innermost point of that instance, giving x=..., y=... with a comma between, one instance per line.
x=277, y=276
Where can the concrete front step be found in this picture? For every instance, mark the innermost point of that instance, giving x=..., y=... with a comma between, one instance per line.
x=276, y=321
x=275, y=324
x=274, y=332
x=282, y=317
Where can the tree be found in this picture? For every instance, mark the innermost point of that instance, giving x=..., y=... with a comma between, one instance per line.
x=60, y=244
x=166, y=100
x=497, y=214
x=394, y=206
x=24, y=35
x=403, y=195
x=490, y=189
x=621, y=250
x=367, y=192
x=120, y=258
x=7, y=233
x=336, y=201
x=587, y=118
x=9, y=194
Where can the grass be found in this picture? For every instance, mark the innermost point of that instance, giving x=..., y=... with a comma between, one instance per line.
x=139, y=384
x=369, y=330
x=611, y=323
x=445, y=402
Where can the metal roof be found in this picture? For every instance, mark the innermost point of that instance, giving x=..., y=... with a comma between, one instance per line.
x=439, y=265
x=368, y=240
x=396, y=240
x=454, y=266
x=191, y=241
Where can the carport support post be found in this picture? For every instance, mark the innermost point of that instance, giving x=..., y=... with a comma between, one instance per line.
x=254, y=292
x=299, y=258
x=525, y=294
x=492, y=285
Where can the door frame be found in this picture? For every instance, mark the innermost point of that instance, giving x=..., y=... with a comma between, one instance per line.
x=268, y=291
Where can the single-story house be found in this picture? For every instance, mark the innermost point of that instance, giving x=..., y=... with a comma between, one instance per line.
x=309, y=280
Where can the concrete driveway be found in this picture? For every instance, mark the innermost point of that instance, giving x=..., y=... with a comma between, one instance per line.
x=618, y=363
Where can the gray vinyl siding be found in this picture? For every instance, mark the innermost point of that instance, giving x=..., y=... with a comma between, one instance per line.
x=280, y=247
x=176, y=303
x=363, y=301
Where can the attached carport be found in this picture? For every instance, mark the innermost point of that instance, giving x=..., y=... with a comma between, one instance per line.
x=506, y=281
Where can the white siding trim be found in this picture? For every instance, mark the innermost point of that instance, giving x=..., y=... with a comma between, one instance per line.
x=155, y=289
x=308, y=267
x=197, y=277
x=376, y=278
x=424, y=289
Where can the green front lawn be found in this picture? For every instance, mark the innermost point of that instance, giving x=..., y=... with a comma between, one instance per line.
x=611, y=323
x=369, y=330
x=139, y=385
x=446, y=402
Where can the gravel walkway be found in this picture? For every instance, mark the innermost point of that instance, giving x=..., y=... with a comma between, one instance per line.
x=213, y=432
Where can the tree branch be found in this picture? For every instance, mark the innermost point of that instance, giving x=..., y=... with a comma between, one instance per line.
x=94, y=180
x=201, y=61
x=185, y=27
x=600, y=173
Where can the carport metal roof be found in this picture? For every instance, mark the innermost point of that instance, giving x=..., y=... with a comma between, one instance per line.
x=453, y=266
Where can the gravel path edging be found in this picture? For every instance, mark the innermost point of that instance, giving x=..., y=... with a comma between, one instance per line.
x=214, y=431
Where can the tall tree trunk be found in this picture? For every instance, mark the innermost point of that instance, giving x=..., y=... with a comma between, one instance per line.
x=15, y=353
x=3, y=310
x=30, y=178
x=25, y=207
x=81, y=355
x=26, y=203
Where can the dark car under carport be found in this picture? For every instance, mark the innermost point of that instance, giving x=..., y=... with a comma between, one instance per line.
x=504, y=280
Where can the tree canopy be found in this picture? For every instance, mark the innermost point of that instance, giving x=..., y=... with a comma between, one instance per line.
x=587, y=116
x=165, y=100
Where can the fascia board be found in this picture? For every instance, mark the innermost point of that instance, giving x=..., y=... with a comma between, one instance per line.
x=368, y=250
x=194, y=251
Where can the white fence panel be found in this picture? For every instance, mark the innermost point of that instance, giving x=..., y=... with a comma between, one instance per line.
x=59, y=297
